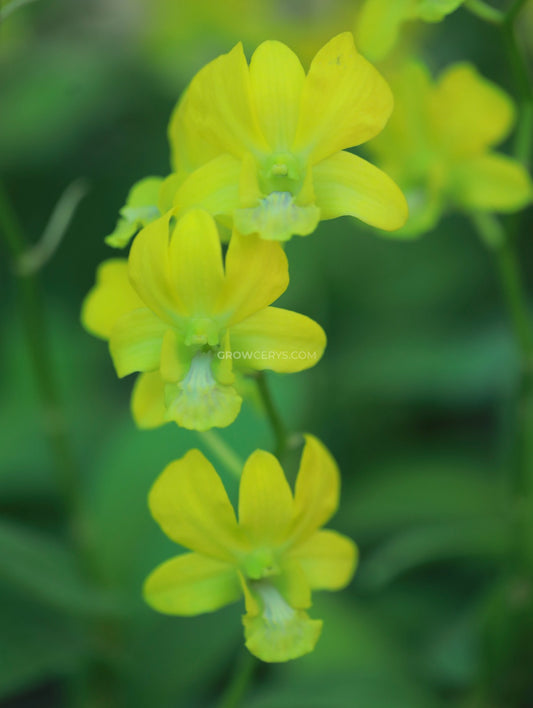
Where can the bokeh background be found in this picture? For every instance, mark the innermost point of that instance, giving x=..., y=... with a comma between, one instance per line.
x=415, y=398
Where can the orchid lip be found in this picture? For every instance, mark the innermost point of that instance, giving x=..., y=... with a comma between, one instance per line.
x=276, y=611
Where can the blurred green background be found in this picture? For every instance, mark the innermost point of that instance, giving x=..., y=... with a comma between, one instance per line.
x=415, y=397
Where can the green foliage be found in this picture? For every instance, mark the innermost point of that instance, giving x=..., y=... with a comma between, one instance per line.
x=408, y=396
x=47, y=571
x=36, y=644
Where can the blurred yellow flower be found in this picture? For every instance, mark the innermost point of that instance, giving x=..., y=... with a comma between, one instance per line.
x=379, y=21
x=180, y=35
x=438, y=145
x=264, y=145
x=173, y=312
x=274, y=555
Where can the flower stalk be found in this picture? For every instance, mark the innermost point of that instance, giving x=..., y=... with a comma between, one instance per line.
x=520, y=568
x=33, y=317
x=226, y=454
x=272, y=413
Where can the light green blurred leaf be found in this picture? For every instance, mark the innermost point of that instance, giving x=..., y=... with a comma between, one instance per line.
x=36, y=644
x=11, y=6
x=451, y=656
x=49, y=572
x=411, y=549
x=405, y=492
x=172, y=661
x=340, y=690
x=26, y=472
x=422, y=364
x=50, y=95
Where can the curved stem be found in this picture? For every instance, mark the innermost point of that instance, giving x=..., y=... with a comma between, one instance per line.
x=519, y=68
x=31, y=306
x=516, y=298
x=485, y=12
x=278, y=427
x=33, y=316
x=501, y=243
x=513, y=11
x=219, y=447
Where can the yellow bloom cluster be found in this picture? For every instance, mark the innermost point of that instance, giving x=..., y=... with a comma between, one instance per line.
x=261, y=149
x=439, y=145
x=258, y=150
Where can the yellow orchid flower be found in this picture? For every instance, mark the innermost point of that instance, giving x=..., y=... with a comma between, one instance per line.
x=439, y=145
x=175, y=313
x=274, y=555
x=379, y=21
x=264, y=145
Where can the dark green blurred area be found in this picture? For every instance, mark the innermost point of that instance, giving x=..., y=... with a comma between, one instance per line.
x=414, y=397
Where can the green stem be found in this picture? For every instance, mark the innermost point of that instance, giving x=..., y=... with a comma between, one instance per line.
x=518, y=303
x=32, y=311
x=236, y=689
x=516, y=299
x=513, y=11
x=490, y=14
x=502, y=244
x=485, y=12
x=519, y=68
x=226, y=455
x=278, y=427
x=33, y=316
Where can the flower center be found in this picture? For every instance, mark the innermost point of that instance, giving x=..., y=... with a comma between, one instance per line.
x=280, y=172
x=201, y=331
x=260, y=563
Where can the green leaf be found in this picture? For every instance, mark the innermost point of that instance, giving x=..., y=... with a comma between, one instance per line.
x=48, y=572
x=50, y=95
x=435, y=366
x=171, y=660
x=339, y=691
x=411, y=491
x=488, y=538
x=36, y=644
x=11, y=7
x=451, y=654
